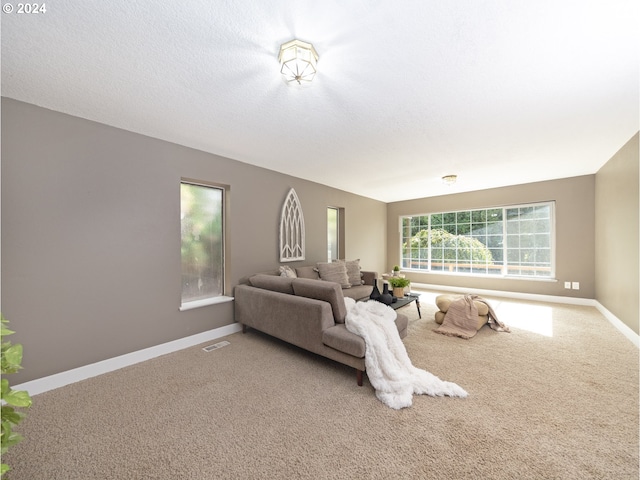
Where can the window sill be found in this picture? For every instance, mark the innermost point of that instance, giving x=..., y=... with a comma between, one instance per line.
x=205, y=302
x=479, y=275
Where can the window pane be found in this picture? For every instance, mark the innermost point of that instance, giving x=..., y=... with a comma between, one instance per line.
x=527, y=227
x=478, y=228
x=464, y=229
x=542, y=240
x=513, y=214
x=496, y=254
x=495, y=228
x=448, y=218
x=202, y=242
x=479, y=216
x=526, y=241
x=513, y=241
x=494, y=241
x=463, y=217
x=494, y=215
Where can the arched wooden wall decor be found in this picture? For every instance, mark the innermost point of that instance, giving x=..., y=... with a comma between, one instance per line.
x=291, y=229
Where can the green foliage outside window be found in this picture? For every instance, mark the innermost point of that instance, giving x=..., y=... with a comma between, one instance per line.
x=202, y=241
x=447, y=246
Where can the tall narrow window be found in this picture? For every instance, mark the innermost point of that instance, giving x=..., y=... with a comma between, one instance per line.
x=333, y=232
x=202, y=246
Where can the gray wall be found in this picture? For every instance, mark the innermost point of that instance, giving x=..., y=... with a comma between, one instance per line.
x=617, y=237
x=91, y=235
x=575, y=227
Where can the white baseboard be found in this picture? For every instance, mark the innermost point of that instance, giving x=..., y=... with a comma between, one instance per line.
x=499, y=293
x=615, y=321
x=61, y=379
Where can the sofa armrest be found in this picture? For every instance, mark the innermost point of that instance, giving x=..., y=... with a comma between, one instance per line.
x=297, y=320
x=369, y=277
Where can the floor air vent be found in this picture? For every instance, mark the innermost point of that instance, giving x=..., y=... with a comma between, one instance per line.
x=215, y=346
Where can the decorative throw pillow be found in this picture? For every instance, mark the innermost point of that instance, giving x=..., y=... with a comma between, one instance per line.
x=353, y=271
x=334, y=272
x=287, y=271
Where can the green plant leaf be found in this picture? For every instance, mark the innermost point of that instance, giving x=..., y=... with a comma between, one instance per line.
x=11, y=415
x=17, y=398
x=6, y=435
x=399, y=282
x=13, y=355
x=4, y=468
x=5, y=331
x=4, y=386
x=10, y=441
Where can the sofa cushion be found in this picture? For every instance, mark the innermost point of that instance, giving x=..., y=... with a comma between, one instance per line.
x=308, y=272
x=353, y=271
x=326, y=291
x=359, y=292
x=340, y=338
x=272, y=282
x=334, y=272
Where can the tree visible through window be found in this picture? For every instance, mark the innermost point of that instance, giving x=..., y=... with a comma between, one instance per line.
x=202, y=246
x=497, y=241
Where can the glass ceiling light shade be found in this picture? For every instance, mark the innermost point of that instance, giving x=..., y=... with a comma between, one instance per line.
x=298, y=61
x=449, y=179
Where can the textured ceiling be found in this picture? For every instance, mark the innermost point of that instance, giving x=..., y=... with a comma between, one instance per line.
x=499, y=92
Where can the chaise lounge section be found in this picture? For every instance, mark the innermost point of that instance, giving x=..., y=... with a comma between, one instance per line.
x=306, y=312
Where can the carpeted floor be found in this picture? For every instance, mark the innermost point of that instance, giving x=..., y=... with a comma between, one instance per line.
x=555, y=399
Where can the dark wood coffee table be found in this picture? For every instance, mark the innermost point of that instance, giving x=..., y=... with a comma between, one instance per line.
x=406, y=300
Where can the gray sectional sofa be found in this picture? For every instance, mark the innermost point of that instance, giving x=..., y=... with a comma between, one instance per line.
x=308, y=312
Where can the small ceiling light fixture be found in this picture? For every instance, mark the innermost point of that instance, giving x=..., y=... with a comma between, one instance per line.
x=449, y=179
x=298, y=60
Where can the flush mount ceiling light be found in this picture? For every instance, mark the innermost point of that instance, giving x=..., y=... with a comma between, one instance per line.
x=449, y=179
x=298, y=61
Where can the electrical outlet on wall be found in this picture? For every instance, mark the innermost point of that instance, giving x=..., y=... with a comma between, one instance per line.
x=567, y=285
x=575, y=285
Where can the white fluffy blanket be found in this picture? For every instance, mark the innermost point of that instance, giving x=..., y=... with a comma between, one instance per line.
x=389, y=368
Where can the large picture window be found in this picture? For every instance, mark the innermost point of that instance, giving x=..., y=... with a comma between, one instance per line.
x=202, y=241
x=508, y=241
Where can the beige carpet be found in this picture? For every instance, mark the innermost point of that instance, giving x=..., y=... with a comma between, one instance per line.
x=560, y=407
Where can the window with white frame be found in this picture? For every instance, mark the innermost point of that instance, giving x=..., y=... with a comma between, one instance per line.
x=333, y=232
x=202, y=241
x=508, y=241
